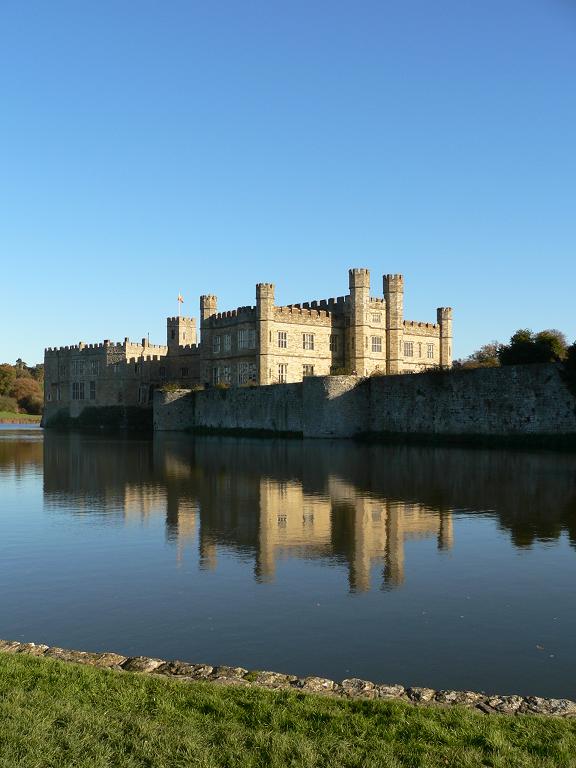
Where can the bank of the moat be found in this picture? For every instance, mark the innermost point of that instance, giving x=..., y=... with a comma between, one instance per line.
x=352, y=688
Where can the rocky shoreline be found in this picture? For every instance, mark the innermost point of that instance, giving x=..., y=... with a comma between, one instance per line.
x=352, y=688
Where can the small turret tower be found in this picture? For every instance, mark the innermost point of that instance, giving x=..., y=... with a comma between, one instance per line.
x=265, y=317
x=444, y=318
x=208, y=306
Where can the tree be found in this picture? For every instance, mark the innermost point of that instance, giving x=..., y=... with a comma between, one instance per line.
x=7, y=378
x=8, y=404
x=27, y=392
x=547, y=346
x=485, y=357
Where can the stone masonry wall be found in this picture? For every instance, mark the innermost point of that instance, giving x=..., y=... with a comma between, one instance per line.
x=275, y=408
x=512, y=401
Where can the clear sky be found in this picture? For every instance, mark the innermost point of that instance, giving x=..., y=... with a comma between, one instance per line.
x=151, y=147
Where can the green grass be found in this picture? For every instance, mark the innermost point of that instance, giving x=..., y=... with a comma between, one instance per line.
x=54, y=715
x=6, y=417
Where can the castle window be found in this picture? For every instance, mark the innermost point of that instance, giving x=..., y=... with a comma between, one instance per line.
x=243, y=373
x=92, y=390
x=307, y=341
x=58, y=392
x=227, y=342
x=183, y=372
x=78, y=390
x=173, y=334
x=377, y=317
x=408, y=349
x=49, y=397
x=307, y=370
x=376, y=343
x=95, y=367
x=62, y=369
x=419, y=349
x=282, y=373
x=282, y=339
x=246, y=338
x=215, y=375
x=333, y=342
x=162, y=372
x=216, y=344
x=226, y=375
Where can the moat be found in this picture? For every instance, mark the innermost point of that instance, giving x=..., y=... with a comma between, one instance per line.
x=448, y=568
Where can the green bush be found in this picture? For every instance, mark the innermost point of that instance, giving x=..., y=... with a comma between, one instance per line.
x=9, y=404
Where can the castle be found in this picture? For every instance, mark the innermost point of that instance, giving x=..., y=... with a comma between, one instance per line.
x=262, y=344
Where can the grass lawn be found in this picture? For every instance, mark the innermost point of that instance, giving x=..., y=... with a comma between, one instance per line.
x=6, y=417
x=54, y=715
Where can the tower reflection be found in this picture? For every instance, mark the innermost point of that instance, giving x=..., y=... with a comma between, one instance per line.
x=349, y=505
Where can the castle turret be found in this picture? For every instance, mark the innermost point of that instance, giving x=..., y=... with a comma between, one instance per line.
x=444, y=319
x=359, y=282
x=394, y=296
x=265, y=317
x=208, y=306
x=180, y=332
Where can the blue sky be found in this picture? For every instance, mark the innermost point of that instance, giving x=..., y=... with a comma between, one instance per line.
x=151, y=147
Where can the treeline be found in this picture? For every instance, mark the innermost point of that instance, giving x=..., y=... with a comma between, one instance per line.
x=21, y=388
x=524, y=347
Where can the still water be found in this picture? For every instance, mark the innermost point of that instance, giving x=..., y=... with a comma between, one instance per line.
x=446, y=568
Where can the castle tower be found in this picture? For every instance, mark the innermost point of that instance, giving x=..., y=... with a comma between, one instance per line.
x=180, y=332
x=444, y=319
x=394, y=296
x=359, y=282
x=265, y=318
x=208, y=306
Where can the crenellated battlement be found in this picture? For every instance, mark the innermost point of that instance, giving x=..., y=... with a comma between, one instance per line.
x=302, y=310
x=240, y=314
x=417, y=324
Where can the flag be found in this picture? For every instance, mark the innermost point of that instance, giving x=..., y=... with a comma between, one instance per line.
x=180, y=298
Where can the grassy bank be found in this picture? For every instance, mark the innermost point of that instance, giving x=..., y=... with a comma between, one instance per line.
x=6, y=417
x=55, y=715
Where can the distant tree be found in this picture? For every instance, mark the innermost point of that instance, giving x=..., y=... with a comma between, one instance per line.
x=7, y=378
x=552, y=344
x=32, y=404
x=485, y=357
x=37, y=372
x=27, y=392
x=547, y=346
x=9, y=404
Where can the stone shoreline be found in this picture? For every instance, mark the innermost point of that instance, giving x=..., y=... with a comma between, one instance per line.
x=352, y=688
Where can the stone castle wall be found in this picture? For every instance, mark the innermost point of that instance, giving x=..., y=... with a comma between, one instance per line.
x=494, y=402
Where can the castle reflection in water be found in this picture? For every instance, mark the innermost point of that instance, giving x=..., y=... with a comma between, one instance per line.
x=265, y=500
